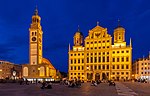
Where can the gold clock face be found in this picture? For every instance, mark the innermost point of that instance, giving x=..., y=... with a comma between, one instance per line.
x=33, y=38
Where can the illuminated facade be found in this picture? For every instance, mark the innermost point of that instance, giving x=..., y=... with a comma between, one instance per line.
x=141, y=68
x=39, y=67
x=98, y=57
x=7, y=70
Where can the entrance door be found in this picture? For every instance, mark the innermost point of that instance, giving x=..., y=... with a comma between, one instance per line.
x=90, y=76
x=104, y=77
x=97, y=76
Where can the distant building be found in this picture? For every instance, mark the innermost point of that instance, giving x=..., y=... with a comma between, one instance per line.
x=39, y=68
x=141, y=68
x=10, y=70
x=99, y=58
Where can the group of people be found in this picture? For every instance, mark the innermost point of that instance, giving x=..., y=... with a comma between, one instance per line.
x=72, y=83
x=46, y=85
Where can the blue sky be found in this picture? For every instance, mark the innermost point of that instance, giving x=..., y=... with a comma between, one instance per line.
x=60, y=19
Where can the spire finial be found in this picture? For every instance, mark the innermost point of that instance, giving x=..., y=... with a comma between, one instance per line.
x=97, y=23
x=118, y=22
x=78, y=28
x=36, y=11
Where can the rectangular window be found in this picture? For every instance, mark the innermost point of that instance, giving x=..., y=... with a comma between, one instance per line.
x=107, y=58
x=113, y=66
x=113, y=59
x=127, y=67
x=122, y=51
x=95, y=67
x=122, y=66
x=117, y=66
x=95, y=59
x=113, y=52
x=117, y=59
x=122, y=59
x=103, y=58
x=127, y=51
x=78, y=54
x=107, y=67
x=91, y=59
x=99, y=67
x=91, y=67
x=99, y=59
x=103, y=67
x=78, y=60
x=82, y=60
x=78, y=67
x=87, y=42
x=71, y=68
x=74, y=61
x=82, y=67
x=127, y=59
x=87, y=59
x=74, y=67
x=71, y=61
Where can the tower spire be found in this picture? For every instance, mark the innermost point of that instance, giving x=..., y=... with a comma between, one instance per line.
x=36, y=11
x=78, y=28
x=97, y=23
x=118, y=22
x=130, y=42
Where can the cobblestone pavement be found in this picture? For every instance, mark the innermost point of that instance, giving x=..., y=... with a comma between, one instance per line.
x=14, y=89
x=103, y=89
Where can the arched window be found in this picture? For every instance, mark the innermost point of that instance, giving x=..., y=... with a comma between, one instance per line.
x=42, y=71
x=25, y=71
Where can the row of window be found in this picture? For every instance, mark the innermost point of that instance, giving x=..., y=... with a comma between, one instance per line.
x=105, y=41
x=99, y=67
x=99, y=59
x=97, y=47
x=77, y=73
x=100, y=53
x=120, y=73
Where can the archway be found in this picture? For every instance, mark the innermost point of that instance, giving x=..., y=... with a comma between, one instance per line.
x=104, y=77
x=25, y=71
x=89, y=76
x=97, y=76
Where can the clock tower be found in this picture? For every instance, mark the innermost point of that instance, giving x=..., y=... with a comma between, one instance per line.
x=35, y=49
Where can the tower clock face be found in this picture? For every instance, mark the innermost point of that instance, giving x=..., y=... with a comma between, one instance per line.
x=33, y=38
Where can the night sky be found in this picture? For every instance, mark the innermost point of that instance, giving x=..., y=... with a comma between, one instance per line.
x=60, y=19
